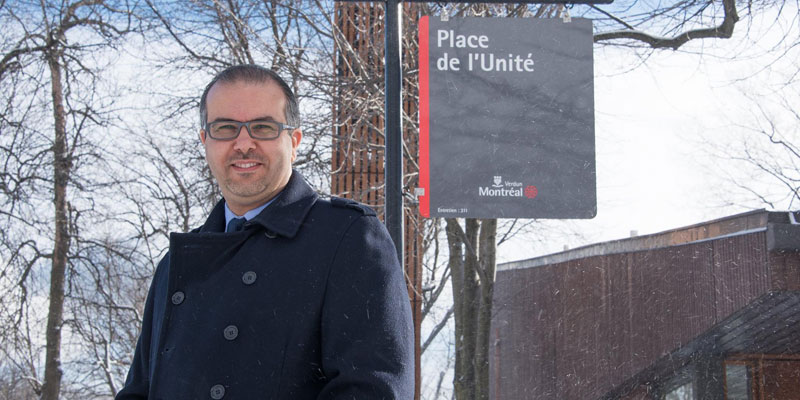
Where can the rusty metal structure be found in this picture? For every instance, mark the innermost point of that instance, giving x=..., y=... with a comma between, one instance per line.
x=358, y=150
x=709, y=311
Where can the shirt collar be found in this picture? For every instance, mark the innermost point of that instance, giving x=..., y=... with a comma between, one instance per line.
x=229, y=215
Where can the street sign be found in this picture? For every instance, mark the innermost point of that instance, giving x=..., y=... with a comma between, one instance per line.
x=506, y=118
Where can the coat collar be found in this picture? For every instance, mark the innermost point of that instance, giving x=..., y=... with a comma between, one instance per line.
x=283, y=217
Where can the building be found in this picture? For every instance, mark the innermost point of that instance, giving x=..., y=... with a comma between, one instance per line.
x=709, y=311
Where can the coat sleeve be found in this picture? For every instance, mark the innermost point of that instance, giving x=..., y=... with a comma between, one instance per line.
x=137, y=384
x=367, y=330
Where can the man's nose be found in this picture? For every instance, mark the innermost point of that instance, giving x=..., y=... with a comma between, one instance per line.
x=243, y=142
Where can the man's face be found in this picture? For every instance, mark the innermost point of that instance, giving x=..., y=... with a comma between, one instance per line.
x=249, y=172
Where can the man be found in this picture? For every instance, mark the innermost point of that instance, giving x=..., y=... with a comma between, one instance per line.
x=304, y=298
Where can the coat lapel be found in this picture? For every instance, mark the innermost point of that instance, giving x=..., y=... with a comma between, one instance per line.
x=286, y=214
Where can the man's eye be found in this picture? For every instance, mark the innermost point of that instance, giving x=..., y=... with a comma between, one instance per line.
x=263, y=128
x=226, y=128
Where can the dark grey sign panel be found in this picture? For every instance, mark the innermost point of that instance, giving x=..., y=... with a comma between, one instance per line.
x=507, y=118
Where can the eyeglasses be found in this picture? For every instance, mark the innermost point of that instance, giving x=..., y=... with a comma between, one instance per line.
x=258, y=130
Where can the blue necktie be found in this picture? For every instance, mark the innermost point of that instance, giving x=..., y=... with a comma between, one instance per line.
x=235, y=224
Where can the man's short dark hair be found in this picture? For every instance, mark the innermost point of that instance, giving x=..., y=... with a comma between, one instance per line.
x=251, y=73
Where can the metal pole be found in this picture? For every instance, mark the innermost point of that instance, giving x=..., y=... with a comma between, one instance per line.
x=393, y=129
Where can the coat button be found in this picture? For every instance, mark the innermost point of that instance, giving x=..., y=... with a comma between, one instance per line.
x=177, y=297
x=249, y=277
x=217, y=392
x=231, y=332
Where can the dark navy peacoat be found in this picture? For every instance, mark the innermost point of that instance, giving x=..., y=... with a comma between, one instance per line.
x=307, y=302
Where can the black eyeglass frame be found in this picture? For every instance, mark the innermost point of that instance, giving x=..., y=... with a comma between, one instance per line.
x=281, y=127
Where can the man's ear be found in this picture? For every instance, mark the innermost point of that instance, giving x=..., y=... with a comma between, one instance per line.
x=203, y=136
x=297, y=136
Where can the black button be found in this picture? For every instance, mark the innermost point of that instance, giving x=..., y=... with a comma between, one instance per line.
x=217, y=392
x=177, y=297
x=249, y=277
x=231, y=332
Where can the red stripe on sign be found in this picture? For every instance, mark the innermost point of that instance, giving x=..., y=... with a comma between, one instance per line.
x=424, y=120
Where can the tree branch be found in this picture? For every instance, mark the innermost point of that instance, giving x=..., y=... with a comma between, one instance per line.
x=723, y=30
x=436, y=330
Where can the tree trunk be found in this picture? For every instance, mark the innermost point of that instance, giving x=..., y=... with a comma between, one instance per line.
x=471, y=291
x=488, y=253
x=61, y=172
x=456, y=265
x=467, y=266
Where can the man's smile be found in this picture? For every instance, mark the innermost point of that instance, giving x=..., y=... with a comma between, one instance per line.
x=245, y=166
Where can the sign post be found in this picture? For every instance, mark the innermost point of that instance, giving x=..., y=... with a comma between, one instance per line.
x=393, y=214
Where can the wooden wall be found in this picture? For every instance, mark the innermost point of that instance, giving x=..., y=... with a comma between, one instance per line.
x=577, y=329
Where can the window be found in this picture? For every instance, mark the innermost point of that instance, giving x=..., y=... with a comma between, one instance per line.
x=737, y=382
x=682, y=392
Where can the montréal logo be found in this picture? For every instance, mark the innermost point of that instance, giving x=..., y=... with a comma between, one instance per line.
x=500, y=188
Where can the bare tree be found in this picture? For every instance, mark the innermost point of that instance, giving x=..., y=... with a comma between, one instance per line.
x=761, y=159
x=47, y=46
x=104, y=298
